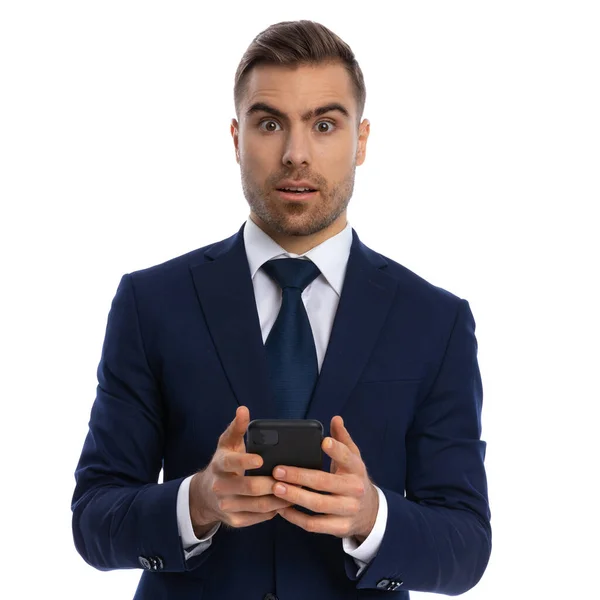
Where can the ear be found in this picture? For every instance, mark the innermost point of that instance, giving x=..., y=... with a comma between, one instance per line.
x=363, y=135
x=234, y=128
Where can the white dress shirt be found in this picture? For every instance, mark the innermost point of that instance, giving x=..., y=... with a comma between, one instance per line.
x=321, y=298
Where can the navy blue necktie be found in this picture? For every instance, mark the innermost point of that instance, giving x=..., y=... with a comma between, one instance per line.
x=290, y=346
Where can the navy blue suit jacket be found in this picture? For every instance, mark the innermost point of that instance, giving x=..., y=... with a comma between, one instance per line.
x=183, y=349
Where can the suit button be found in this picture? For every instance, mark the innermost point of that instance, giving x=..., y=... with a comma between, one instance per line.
x=383, y=583
x=270, y=596
x=156, y=564
x=151, y=563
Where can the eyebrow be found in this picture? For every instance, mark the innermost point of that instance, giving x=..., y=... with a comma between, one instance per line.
x=317, y=112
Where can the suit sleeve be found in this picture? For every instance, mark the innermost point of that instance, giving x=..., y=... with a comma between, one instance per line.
x=438, y=537
x=122, y=517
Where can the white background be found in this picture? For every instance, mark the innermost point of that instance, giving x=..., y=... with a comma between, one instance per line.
x=482, y=175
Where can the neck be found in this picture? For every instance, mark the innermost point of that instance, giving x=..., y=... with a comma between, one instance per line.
x=299, y=244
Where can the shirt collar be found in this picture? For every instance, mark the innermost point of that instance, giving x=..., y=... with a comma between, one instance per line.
x=331, y=256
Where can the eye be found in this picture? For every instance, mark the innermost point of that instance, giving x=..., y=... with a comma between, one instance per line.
x=267, y=121
x=329, y=130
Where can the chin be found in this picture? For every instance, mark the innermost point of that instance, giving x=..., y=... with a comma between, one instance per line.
x=291, y=228
x=292, y=219
x=302, y=227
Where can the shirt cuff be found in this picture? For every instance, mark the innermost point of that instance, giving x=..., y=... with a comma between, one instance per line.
x=192, y=545
x=364, y=553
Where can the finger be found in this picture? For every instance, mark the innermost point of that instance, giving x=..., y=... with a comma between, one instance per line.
x=342, y=455
x=237, y=462
x=332, y=525
x=244, y=486
x=320, y=481
x=247, y=504
x=241, y=519
x=233, y=436
x=320, y=503
x=341, y=434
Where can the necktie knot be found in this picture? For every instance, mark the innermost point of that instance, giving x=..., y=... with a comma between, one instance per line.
x=292, y=272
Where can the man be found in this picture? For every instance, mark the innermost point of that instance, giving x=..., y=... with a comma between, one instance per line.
x=291, y=317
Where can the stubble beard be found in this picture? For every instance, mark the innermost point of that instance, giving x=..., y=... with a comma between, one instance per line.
x=301, y=218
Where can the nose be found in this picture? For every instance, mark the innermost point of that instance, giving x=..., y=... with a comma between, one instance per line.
x=297, y=149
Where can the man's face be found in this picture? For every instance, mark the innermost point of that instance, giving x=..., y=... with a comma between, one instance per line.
x=275, y=143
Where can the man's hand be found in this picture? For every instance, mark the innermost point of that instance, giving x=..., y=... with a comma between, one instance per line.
x=222, y=493
x=350, y=509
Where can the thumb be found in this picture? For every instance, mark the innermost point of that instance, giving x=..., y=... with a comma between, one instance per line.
x=341, y=434
x=233, y=436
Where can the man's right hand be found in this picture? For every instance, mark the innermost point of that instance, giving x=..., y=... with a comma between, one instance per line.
x=222, y=493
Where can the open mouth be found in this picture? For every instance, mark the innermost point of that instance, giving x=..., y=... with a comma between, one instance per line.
x=290, y=194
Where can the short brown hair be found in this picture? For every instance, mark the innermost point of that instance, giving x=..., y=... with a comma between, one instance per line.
x=299, y=43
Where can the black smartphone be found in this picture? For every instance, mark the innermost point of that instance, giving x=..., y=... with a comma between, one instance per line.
x=293, y=442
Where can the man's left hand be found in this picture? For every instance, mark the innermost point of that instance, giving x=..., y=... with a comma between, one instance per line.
x=351, y=507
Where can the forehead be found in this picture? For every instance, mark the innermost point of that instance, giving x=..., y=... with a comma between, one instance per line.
x=298, y=88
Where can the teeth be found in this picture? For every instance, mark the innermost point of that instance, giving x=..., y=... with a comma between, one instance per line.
x=297, y=189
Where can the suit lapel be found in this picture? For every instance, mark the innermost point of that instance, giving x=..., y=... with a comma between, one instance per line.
x=364, y=304
x=224, y=288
